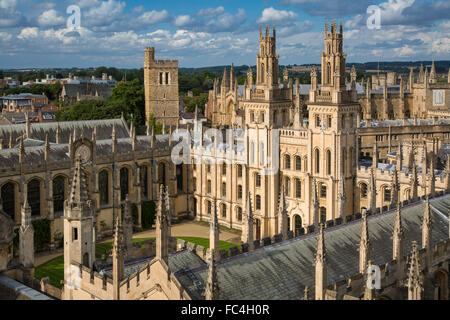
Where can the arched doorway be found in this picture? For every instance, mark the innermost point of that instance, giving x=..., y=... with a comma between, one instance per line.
x=298, y=225
x=441, y=278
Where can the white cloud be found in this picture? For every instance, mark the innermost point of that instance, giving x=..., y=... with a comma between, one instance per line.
x=274, y=15
x=404, y=51
x=182, y=20
x=50, y=18
x=392, y=11
x=5, y=36
x=152, y=17
x=226, y=22
x=353, y=22
x=8, y=4
x=211, y=12
x=103, y=13
x=28, y=33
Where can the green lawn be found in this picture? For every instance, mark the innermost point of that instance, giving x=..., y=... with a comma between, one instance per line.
x=55, y=267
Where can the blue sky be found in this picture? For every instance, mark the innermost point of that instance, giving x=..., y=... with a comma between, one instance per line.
x=204, y=33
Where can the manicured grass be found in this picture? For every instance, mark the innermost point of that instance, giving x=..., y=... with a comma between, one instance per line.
x=55, y=267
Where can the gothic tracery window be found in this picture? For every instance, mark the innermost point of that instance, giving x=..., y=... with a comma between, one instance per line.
x=103, y=186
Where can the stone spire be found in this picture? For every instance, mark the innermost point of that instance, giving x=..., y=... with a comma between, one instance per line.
x=162, y=225
x=225, y=79
x=127, y=226
x=250, y=77
x=411, y=78
x=315, y=204
x=283, y=215
x=21, y=151
x=427, y=227
x=306, y=293
x=118, y=253
x=400, y=157
x=79, y=191
x=27, y=126
x=285, y=77
x=395, y=188
x=415, y=281
x=152, y=138
x=414, y=182
x=57, y=138
x=372, y=192
x=212, y=291
x=433, y=73
x=375, y=156
x=214, y=232
x=46, y=149
x=421, y=77
x=397, y=237
x=247, y=235
x=364, y=245
x=321, y=280
x=114, y=139
x=26, y=237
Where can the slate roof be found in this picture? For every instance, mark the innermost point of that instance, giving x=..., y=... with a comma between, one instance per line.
x=86, y=89
x=281, y=271
x=39, y=130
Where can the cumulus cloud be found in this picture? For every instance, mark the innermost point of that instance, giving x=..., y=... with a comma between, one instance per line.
x=295, y=28
x=50, y=18
x=329, y=8
x=226, y=22
x=183, y=20
x=273, y=15
x=211, y=12
x=28, y=33
x=103, y=13
x=152, y=17
x=8, y=4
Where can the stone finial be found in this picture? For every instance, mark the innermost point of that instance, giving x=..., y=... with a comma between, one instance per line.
x=397, y=237
x=162, y=226
x=225, y=79
x=46, y=149
x=342, y=198
x=27, y=126
x=415, y=279
x=395, y=187
x=321, y=281
x=283, y=215
x=152, y=138
x=400, y=157
x=57, y=135
x=364, y=245
x=414, y=182
x=306, y=293
x=214, y=231
x=79, y=191
x=247, y=235
x=433, y=72
x=212, y=291
x=369, y=291
x=21, y=151
x=11, y=142
x=26, y=237
x=128, y=225
x=375, y=156
x=315, y=204
x=426, y=226
x=118, y=253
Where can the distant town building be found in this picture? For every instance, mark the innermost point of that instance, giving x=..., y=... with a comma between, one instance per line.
x=23, y=102
x=72, y=93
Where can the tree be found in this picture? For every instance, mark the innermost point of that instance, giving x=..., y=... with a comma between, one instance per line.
x=131, y=96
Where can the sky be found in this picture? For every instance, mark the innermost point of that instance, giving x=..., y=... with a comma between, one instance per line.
x=201, y=33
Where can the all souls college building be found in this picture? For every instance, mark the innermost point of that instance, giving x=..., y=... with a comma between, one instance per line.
x=327, y=182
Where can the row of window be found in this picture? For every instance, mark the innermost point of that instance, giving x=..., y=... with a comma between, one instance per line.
x=223, y=210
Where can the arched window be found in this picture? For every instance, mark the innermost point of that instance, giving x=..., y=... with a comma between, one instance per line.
x=298, y=188
x=343, y=159
x=287, y=186
x=363, y=190
x=144, y=181
x=103, y=186
x=305, y=167
x=298, y=163
x=329, y=72
x=323, y=190
x=298, y=225
x=323, y=214
x=34, y=197
x=8, y=196
x=224, y=210
x=257, y=180
x=239, y=171
x=263, y=71
x=258, y=202
x=180, y=177
x=287, y=162
x=59, y=194
x=209, y=187
x=239, y=192
x=224, y=189
x=262, y=116
x=208, y=205
x=317, y=155
x=124, y=183
x=162, y=174
x=224, y=169
x=387, y=195
x=328, y=162
x=239, y=214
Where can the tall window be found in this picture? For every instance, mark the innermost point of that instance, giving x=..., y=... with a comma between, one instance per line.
x=287, y=162
x=162, y=174
x=224, y=169
x=194, y=182
x=224, y=210
x=298, y=163
x=209, y=186
x=167, y=78
x=239, y=214
x=298, y=188
x=34, y=197
x=160, y=78
x=144, y=181
x=103, y=186
x=208, y=204
x=8, y=197
x=261, y=154
x=252, y=152
x=387, y=195
x=323, y=214
x=124, y=183
x=317, y=155
x=58, y=194
x=323, y=190
x=328, y=162
x=239, y=170
x=239, y=192
x=208, y=167
x=180, y=177
x=287, y=186
x=257, y=180
x=258, y=202
x=363, y=190
x=318, y=122
x=224, y=189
